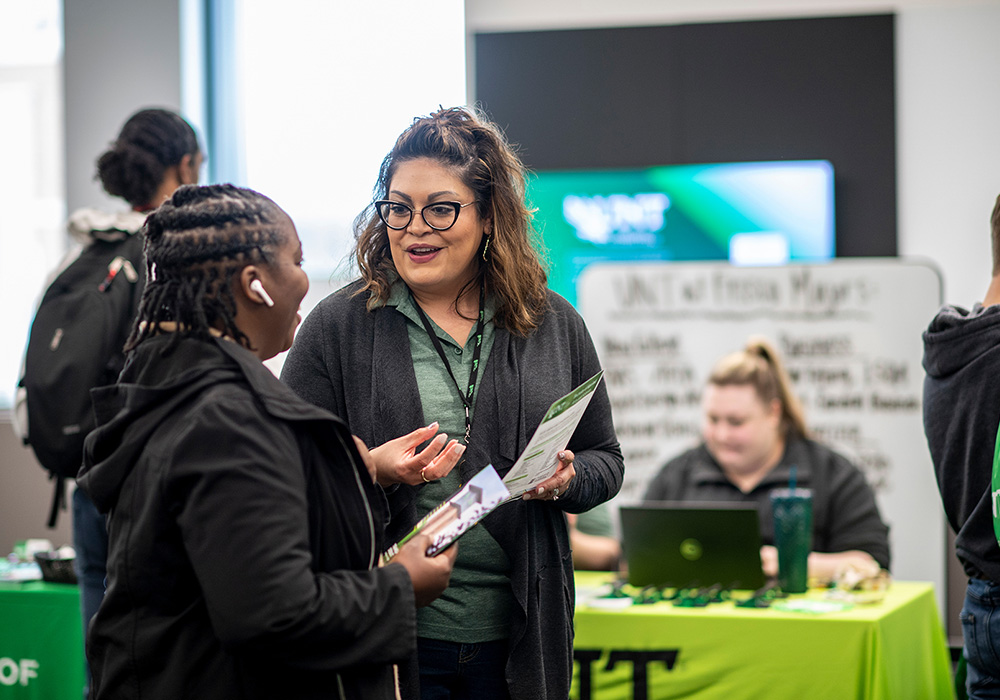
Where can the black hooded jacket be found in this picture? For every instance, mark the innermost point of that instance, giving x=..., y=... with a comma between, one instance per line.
x=244, y=533
x=961, y=414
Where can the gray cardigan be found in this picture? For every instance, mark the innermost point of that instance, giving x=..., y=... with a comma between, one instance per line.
x=357, y=364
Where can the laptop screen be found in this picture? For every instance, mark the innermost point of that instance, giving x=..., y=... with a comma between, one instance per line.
x=686, y=545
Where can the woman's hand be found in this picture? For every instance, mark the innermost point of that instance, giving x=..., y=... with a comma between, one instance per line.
x=824, y=566
x=769, y=560
x=550, y=489
x=429, y=575
x=828, y=566
x=398, y=462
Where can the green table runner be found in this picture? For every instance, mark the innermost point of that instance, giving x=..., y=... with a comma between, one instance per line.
x=889, y=650
x=41, y=642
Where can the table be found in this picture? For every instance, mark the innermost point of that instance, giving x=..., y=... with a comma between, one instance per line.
x=41, y=642
x=891, y=650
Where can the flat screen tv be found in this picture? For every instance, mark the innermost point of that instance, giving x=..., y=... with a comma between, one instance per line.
x=760, y=213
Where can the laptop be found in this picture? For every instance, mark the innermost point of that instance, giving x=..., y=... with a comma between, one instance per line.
x=672, y=544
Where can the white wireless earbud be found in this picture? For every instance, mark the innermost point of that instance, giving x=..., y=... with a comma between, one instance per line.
x=259, y=288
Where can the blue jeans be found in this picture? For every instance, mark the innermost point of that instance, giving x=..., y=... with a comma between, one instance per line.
x=90, y=540
x=455, y=671
x=981, y=631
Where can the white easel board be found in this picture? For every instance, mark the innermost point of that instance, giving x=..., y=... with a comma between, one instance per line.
x=850, y=335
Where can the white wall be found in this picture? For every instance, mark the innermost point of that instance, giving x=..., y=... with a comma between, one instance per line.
x=948, y=143
x=528, y=15
x=120, y=56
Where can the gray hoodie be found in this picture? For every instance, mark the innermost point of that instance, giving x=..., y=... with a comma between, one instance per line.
x=961, y=412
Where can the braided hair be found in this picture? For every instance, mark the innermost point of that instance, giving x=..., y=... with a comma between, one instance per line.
x=196, y=244
x=150, y=142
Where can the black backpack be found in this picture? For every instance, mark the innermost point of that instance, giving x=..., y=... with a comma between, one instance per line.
x=76, y=343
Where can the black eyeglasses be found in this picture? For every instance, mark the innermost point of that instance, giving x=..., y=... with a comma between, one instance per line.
x=440, y=216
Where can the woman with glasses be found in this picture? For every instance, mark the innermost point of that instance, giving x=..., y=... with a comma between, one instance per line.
x=451, y=329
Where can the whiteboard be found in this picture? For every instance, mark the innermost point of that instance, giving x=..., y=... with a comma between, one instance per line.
x=850, y=335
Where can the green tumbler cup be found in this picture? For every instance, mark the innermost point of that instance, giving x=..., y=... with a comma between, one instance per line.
x=792, y=509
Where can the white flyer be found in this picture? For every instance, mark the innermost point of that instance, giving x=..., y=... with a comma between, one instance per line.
x=539, y=460
x=460, y=511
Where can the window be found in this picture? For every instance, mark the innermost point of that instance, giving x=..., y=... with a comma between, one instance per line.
x=299, y=108
x=32, y=203
x=323, y=89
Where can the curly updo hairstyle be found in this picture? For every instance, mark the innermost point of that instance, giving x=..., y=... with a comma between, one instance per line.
x=196, y=244
x=475, y=149
x=150, y=142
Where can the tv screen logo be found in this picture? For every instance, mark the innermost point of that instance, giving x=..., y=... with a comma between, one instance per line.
x=617, y=219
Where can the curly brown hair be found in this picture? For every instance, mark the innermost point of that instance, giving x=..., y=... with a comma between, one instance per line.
x=475, y=149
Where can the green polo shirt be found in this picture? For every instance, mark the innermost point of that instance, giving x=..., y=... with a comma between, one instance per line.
x=478, y=603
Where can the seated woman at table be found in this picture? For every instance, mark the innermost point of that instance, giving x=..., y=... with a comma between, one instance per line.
x=244, y=523
x=754, y=434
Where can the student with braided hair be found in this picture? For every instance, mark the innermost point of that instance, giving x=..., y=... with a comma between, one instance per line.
x=244, y=523
x=754, y=433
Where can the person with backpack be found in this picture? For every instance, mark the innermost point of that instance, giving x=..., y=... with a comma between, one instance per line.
x=84, y=318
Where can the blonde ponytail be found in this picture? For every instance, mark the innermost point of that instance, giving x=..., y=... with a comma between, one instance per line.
x=759, y=365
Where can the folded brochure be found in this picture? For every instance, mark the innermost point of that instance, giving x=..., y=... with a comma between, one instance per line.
x=540, y=460
x=485, y=491
x=456, y=514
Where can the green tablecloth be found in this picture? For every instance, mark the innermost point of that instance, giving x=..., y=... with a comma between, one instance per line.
x=41, y=642
x=892, y=650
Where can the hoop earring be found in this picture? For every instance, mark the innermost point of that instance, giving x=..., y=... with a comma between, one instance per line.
x=486, y=247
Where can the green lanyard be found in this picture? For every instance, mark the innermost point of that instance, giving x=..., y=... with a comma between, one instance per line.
x=995, y=489
x=480, y=325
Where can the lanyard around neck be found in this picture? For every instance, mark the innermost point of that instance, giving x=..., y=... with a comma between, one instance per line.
x=480, y=325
